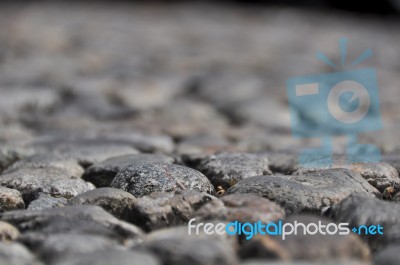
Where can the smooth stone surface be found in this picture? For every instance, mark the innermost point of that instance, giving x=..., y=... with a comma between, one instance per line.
x=308, y=192
x=48, y=160
x=115, y=201
x=306, y=247
x=53, y=181
x=10, y=199
x=45, y=201
x=359, y=210
x=114, y=257
x=227, y=169
x=101, y=174
x=144, y=178
x=241, y=207
x=158, y=210
x=380, y=175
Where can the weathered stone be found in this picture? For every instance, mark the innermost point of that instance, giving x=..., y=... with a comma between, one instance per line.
x=48, y=160
x=115, y=201
x=378, y=174
x=144, y=178
x=45, y=201
x=16, y=254
x=308, y=192
x=83, y=219
x=101, y=174
x=305, y=247
x=8, y=232
x=53, y=181
x=242, y=208
x=158, y=210
x=174, y=247
x=10, y=199
x=114, y=257
x=226, y=169
x=360, y=210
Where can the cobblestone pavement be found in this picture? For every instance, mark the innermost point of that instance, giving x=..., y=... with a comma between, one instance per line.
x=120, y=123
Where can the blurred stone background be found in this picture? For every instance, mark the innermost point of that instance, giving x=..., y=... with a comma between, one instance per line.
x=196, y=77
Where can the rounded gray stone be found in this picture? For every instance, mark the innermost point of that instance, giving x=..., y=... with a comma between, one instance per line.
x=360, y=210
x=241, y=207
x=82, y=219
x=101, y=174
x=145, y=178
x=379, y=174
x=226, y=169
x=309, y=248
x=163, y=209
x=115, y=201
x=45, y=201
x=308, y=192
x=68, y=164
x=53, y=181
